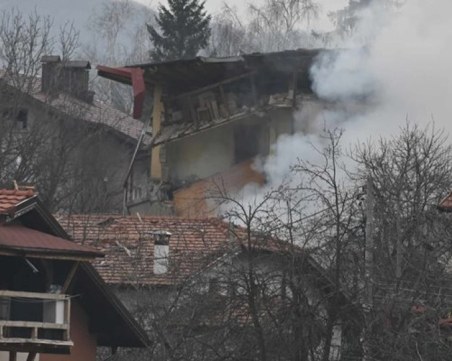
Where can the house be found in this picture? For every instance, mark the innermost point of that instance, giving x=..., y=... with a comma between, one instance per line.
x=56, y=135
x=53, y=303
x=206, y=289
x=210, y=118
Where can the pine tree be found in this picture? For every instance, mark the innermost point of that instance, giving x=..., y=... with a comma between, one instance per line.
x=184, y=30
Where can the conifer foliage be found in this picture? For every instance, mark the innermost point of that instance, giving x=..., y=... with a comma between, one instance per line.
x=183, y=29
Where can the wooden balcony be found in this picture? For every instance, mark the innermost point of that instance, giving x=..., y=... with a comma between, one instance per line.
x=34, y=322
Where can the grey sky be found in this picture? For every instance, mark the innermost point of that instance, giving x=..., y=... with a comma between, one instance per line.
x=214, y=6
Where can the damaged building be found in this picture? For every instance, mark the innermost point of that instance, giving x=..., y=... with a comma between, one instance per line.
x=54, y=134
x=209, y=119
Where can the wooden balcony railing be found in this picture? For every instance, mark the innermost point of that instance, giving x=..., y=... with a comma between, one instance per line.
x=34, y=318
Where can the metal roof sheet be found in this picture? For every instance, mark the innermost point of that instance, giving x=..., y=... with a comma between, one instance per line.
x=83, y=64
x=50, y=59
x=15, y=237
x=446, y=203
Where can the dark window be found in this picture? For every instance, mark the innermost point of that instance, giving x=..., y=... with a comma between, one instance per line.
x=22, y=117
x=246, y=142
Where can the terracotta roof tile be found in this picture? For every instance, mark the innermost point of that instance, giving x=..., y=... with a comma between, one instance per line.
x=446, y=203
x=128, y=244
x=10, y=198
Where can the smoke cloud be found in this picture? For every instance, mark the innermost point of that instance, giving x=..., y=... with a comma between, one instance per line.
x=395, y=66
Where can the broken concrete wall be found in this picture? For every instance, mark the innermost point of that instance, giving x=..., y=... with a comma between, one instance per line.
x=218, y=149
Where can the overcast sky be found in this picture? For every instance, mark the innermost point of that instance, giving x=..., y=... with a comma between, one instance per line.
x=214, y=6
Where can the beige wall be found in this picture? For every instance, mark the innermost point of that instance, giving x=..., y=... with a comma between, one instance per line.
x=201, y=155
x=211, y=151
x=206, y=160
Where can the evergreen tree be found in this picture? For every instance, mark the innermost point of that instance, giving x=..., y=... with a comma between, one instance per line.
x=184, y=30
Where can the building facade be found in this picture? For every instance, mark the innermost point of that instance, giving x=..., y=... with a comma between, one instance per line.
x=209, y=291
x=53, y=304
x=211, y=119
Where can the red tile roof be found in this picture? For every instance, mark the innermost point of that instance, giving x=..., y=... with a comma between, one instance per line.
x=446, y=203
x=15, y=238
x=10, y=198
x=129, y=244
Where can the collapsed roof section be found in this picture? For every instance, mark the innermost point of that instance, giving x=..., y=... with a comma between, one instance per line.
x=185, y=76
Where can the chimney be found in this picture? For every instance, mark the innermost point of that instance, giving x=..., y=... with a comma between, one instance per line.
x=161, y=251
x=75, y=79
x=69, y=76
x=51, y=65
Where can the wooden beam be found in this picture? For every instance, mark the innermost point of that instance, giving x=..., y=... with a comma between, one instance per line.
x=224, y=101
x=214, y=85
x=37, y=347
x=294, y=88
x=157, y=110
x=17, y=344
x=254, y=91
x=70, y=277
x=193, y=113
x=33, y=324
x=67, y=319
x=31, y=356
x=34, y=333
x=38, y=295
x=13, y=356
x=43, y=255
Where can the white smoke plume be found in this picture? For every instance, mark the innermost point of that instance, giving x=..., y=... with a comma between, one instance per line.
x=404, y=67
x=397, y=63
x=395, y=67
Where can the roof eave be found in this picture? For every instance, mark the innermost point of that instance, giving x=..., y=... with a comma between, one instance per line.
x=141, y=338
x=49, y=253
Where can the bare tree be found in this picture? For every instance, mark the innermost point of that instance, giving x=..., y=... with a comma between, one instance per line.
x=274, y=25
x=23, y=41
x=277, y=288
x=285, y=310
x=347, y=19
x=117, y=42
x=410, y=278
x=229, y=35
x=45, y=138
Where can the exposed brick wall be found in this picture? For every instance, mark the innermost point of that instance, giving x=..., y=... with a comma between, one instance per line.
x=196, y=200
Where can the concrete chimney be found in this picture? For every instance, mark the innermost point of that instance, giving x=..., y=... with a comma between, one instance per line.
x=69, y=76
x=51, y=66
